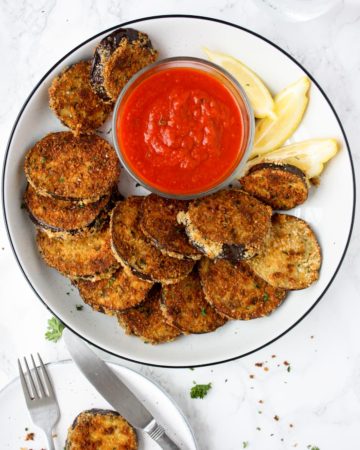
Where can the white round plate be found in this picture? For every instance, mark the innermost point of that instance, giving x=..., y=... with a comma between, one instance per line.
x=329, y=209
x=76, y=394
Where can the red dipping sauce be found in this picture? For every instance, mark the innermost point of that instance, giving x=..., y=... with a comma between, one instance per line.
x=180, y=130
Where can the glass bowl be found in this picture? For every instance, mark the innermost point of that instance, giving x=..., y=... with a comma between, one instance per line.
x=241, y=100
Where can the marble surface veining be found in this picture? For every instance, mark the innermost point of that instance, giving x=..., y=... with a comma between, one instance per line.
x=317, y=400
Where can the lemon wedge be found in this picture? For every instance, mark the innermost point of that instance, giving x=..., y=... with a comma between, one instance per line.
x=309, y=156
x=290, y=106
x=258, y=94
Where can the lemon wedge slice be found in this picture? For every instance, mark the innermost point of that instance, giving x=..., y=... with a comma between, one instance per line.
x=290, y=106
x=309, y=156
x=258, y=94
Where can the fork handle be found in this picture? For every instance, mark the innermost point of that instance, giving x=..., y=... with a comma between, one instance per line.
x=50, y=440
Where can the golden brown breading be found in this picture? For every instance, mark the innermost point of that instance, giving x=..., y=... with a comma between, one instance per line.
x=282, y=186
x=235, y=291
x=118, y=293
x=74, y=101
x=147, y=321
x=79, y=256
x=158, y=223
x=229, y=224
x=99, y=429
x=117, y=58
x=133, y=249
x=291, y=257
x=184, y=306
x=66, y=167
x=62, y=215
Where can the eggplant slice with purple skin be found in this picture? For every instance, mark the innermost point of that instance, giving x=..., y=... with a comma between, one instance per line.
x=229, y=224
x=281, y=186
x=75, y=103
x=291, y=256
x=117, y=58
x=184, y=307
x=101, y=429
x=159, y=224
x=235, y=291
x=147, y=320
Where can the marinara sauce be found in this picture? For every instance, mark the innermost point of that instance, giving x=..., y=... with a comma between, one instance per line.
x=181, y=131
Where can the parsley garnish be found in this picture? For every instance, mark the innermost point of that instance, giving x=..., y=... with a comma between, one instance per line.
x=203, y=312
x=266, y=297
x=54, y=329
x=288, y=369
x=200, y=390
x=61, y=179
x=79, y=307
x=245, y=444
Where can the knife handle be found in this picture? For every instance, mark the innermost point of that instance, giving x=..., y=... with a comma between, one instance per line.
x=157, y=433
x=166, y=443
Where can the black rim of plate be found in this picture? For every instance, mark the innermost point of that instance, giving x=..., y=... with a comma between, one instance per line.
x=184, y=16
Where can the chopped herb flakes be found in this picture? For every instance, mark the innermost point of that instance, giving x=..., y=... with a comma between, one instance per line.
x=203, y=312
x=200, y=390
x=245, y=444
x=266, y=297
x=79, y=307
x=61, y=179
x=54, y=329
x=288, y=368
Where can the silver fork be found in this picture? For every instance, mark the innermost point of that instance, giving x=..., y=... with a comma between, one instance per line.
x=40, y=397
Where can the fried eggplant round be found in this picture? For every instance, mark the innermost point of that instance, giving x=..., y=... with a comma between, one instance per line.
x=101, y=429
x=66, y=167
x=147, y=321
x=184, y=307
x=281, y=186
x=159, y=224
x=291, y=256
x=89, y=257
x=74, y=101
x=234, y=290
x=229, y=224
x=62, y=215
x=117, y=58
x=118, y=293
x=133, y=249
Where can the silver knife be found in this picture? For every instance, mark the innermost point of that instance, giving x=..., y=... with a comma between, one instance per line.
x=114, y=391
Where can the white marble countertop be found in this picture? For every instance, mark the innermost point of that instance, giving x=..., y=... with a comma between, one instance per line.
x=318, y=400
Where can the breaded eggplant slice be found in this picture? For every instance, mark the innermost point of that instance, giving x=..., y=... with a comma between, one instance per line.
x=281, y=186
x=147, y=321
x=88, y=257
x=66, y=167
x=62, y=215
x=101, y=429
x=118, y=293
x=184, y=307
x=134, y=250
x=291, y=256
x=229, y=224
x=74, y=101
x=159, y=224
x=117, y=58
x=234, y=290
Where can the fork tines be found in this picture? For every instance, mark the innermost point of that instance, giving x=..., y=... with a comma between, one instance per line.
x=35, y=382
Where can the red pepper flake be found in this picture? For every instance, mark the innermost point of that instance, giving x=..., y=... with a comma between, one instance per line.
x=259, y=364
x=273, y=356
x=277, y=418
x=286, y=363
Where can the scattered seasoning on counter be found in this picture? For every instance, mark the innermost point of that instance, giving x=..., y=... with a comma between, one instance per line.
x=30, y=437
x=79, y=307
x=200, y=390
x=251, y=376
x=273, y=356
x=266, y=369
x=289, y=368
x=286, y=363
x=258, y=428
x=259, y=364
x=277, y=418
x=245, y=444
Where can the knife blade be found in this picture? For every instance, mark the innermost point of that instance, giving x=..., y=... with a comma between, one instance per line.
x=114, y=391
